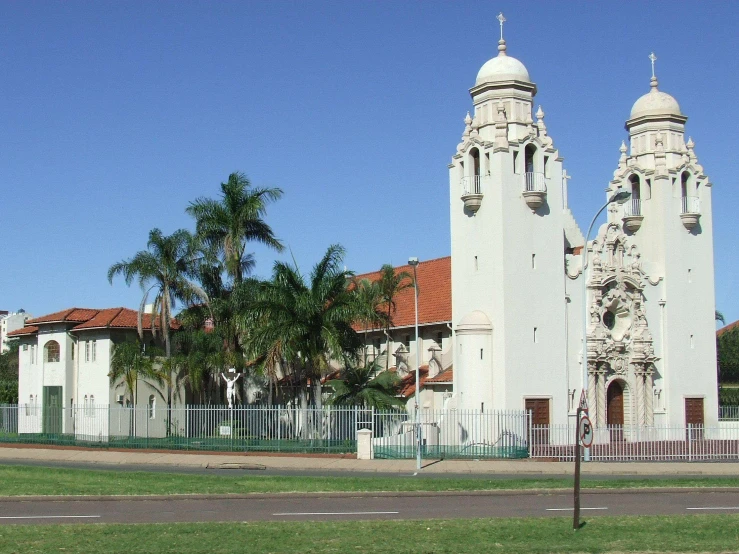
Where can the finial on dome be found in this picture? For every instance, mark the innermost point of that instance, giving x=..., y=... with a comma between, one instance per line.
x=501, y=42
x=539, y=113
x=623, y=148
x=468, y=119
x=653, y=82
x=690, y=145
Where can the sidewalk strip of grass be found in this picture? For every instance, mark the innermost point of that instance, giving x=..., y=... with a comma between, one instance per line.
x=712, y=533
x=35, y=480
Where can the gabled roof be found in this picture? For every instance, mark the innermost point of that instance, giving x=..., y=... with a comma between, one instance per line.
x=434, y=293
x=86, y=318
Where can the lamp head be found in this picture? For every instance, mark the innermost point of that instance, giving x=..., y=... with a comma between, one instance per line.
x=413, y=262
x=620, y=197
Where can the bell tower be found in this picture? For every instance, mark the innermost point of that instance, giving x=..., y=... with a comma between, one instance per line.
x=508, y=213
x=668, y=223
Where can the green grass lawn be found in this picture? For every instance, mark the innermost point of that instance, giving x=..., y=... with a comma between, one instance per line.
x=35, y=480
x=701, y=533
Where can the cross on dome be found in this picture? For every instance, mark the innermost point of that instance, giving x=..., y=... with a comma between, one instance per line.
x=501, y=43
x=653, y=59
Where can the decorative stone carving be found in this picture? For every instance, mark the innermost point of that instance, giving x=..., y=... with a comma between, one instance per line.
x=619, y=341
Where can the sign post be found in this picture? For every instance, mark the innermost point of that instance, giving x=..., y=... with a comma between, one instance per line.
x=584, y=436
x=576, y=516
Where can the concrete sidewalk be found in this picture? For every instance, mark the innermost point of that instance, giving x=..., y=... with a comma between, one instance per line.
x=109, y=459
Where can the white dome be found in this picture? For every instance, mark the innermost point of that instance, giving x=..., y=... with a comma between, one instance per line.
x=475, y=319
x=502, y=68
x=655, y=102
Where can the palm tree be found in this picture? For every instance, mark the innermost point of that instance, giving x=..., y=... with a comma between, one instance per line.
x=305, y=322
x=391, y=283
x=227, y=224
x=129, y=364
x=165, y=268
x=720, y=317
x=358, y=387
x=369, y=313
x=201, y=357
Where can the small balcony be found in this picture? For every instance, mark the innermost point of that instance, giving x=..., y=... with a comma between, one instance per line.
x=690, y=211
x=535, y=190
x=632, y=215
x=472, y=192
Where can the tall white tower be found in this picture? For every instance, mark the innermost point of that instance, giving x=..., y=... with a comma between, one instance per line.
x=508, y=248
x=652, y=346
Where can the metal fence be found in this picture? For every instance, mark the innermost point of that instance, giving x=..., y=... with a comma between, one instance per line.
x=444, y=433
x=728, y=413
x=211, y=427
x=452, y=434
x=619, y=443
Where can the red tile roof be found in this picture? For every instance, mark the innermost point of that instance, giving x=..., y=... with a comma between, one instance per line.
x=434, y=293
x=109, y=318
x=446, y=376
x=30, y=330
x=119, y=318
x=71, y=314
x=729, y=327
x=408, y=382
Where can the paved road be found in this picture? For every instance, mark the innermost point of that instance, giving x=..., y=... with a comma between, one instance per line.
x=334, y=507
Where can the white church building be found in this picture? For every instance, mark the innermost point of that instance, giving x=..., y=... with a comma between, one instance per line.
x=504, y=332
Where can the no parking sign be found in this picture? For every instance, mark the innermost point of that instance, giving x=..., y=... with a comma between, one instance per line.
x=585, y=431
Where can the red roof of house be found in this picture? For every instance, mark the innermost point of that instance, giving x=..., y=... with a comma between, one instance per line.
x=408, y=382
x=109, y=318
x=729, y=327
x=30, y=330
x=434, y=293
x=446, y=376
x=70, y=314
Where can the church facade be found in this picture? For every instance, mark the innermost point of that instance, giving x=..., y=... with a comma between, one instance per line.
x=521, y=288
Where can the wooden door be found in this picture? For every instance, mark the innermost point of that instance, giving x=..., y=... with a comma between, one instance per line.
x=615, y=411
x=539, y=409
x=694, y=416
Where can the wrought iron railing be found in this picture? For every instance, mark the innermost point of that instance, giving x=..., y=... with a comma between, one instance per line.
x=632, y=207
x=472, y=184
x=535, y=182
x=690, y=205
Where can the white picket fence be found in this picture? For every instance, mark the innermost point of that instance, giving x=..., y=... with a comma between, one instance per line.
x=622, y=443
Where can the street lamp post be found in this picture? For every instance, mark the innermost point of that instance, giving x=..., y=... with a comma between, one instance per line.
x=619, y=198
x=413, y=262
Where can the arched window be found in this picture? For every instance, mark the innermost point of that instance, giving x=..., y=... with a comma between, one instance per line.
x=152, y=406
x=633, y=206
x=684, y=179
x=51, y=351
x=529, y=158
x=475, y=177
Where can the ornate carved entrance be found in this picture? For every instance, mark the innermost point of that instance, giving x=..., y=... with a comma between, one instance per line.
x=619, y=341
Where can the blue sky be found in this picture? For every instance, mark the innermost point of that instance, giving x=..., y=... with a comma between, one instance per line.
x=115, y=115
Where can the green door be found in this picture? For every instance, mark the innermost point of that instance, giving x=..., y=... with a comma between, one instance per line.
x=53, y=410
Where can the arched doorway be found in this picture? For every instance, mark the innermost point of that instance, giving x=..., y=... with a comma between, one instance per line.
x=615, y=410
